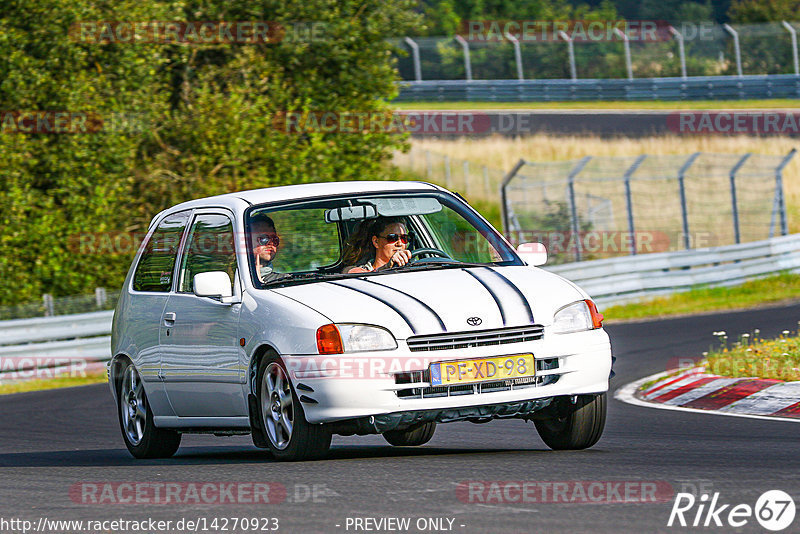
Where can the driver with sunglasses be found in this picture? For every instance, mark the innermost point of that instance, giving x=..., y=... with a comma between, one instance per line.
x=380, y=243
x=265, y=243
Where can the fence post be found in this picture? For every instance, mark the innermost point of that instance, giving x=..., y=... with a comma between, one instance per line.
x=504, y=207
x=629, y=200
x=467, y=62
x=100, y=296
x=573, y=208
x=517, y=55
x=573, y=72
x=735, y=204
x=415, y=55
x=779, y=190
x=486, y=186
x=466, y=178
x=428, y=164
x=447, y=172
x=684, y=212
x=736, y=48
x=627, y=47
x=793, y=33
x=681, y=50
x=49, y=305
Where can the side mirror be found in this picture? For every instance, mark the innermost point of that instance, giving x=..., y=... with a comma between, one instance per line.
x=532, y=253
x=213, y=284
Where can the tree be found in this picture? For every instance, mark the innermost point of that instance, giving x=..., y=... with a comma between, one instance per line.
x=202, y=117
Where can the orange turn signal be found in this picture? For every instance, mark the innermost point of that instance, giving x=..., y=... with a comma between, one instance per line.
x=329, y=341
x=597, y=317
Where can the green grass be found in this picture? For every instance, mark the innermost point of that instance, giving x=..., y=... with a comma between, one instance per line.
x=50, y=383
x=753, y=356
x=754, y=293
x=610, y=105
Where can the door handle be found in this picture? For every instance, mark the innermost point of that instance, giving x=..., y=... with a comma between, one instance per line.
x=169, y=318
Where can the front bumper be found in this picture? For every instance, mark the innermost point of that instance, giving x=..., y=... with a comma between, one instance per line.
x=361, y=386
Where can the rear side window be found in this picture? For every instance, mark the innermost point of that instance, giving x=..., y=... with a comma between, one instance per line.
x=208, y=248
x=154, y=272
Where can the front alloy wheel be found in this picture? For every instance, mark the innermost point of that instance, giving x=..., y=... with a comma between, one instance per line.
x=289, y=435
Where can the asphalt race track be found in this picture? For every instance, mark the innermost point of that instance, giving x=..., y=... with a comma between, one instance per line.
x=51, y=441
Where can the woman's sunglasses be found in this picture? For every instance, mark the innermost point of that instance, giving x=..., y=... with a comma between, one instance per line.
x=392, y=238
x=265, y=240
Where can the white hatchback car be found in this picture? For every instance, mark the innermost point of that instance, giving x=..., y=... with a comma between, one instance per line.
x=240, y=315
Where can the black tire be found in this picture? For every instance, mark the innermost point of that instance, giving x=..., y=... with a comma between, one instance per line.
x=573, y=426
x=305, y=441
x=411, y=437
x=141, y=436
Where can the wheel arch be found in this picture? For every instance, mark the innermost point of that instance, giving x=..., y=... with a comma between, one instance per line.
x=115, y=367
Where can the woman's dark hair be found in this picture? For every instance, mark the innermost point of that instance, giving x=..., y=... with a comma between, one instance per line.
x=359, y=245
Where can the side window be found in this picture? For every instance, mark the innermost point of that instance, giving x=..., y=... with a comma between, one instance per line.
x=154, y=272
x=210, y=247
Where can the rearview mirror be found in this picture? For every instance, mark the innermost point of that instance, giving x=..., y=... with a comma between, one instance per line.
x=350, y=213
x=213, y=284
x=532, y=253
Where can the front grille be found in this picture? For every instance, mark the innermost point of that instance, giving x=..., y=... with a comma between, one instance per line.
x=477, y=389
x=479, y=338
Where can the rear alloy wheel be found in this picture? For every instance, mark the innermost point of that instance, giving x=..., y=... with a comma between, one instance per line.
x=142, y=437
x=411, y=437
x=573, y=426
x=289, y=436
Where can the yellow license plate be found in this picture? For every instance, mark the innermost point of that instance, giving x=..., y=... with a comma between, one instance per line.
x=482, y=370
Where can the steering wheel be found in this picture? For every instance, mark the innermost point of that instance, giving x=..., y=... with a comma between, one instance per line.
x=430, y=252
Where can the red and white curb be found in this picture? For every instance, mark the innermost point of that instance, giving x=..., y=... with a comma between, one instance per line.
x=695, y=390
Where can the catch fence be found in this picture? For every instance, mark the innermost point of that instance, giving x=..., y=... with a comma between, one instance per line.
x=601, y=207
x=681, y=51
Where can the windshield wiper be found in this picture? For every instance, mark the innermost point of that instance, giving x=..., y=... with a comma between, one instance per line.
x=439, y=264
x=303, y=278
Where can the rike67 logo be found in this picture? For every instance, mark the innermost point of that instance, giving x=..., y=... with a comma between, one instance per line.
x=774, y=510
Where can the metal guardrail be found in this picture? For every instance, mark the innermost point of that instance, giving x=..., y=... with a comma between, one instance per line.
x=693, y=88
x=627, y=279
x=45, y=347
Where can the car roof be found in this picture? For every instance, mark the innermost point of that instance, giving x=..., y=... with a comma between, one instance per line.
x=304, y=191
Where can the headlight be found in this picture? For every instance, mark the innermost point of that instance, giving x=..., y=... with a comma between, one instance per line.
x=577, y=317
x=339, y=338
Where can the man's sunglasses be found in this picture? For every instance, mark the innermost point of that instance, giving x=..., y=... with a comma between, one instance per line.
x=265, y=240
x=392, y=238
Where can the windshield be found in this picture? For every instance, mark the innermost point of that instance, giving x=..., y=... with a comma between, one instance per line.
x=358, y=235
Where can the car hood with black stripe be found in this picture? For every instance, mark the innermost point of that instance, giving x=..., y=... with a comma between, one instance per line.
x=441, y=300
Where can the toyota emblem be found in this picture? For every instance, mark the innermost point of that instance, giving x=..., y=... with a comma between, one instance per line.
x=474, y=321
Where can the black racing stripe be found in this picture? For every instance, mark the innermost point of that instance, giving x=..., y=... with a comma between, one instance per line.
x=516, y=290
x=489, y=289
x=387, y=303
x=415, y=299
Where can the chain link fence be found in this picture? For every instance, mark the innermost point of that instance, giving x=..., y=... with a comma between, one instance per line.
x=50, y=306
x=600, y=207
x=703, y=49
